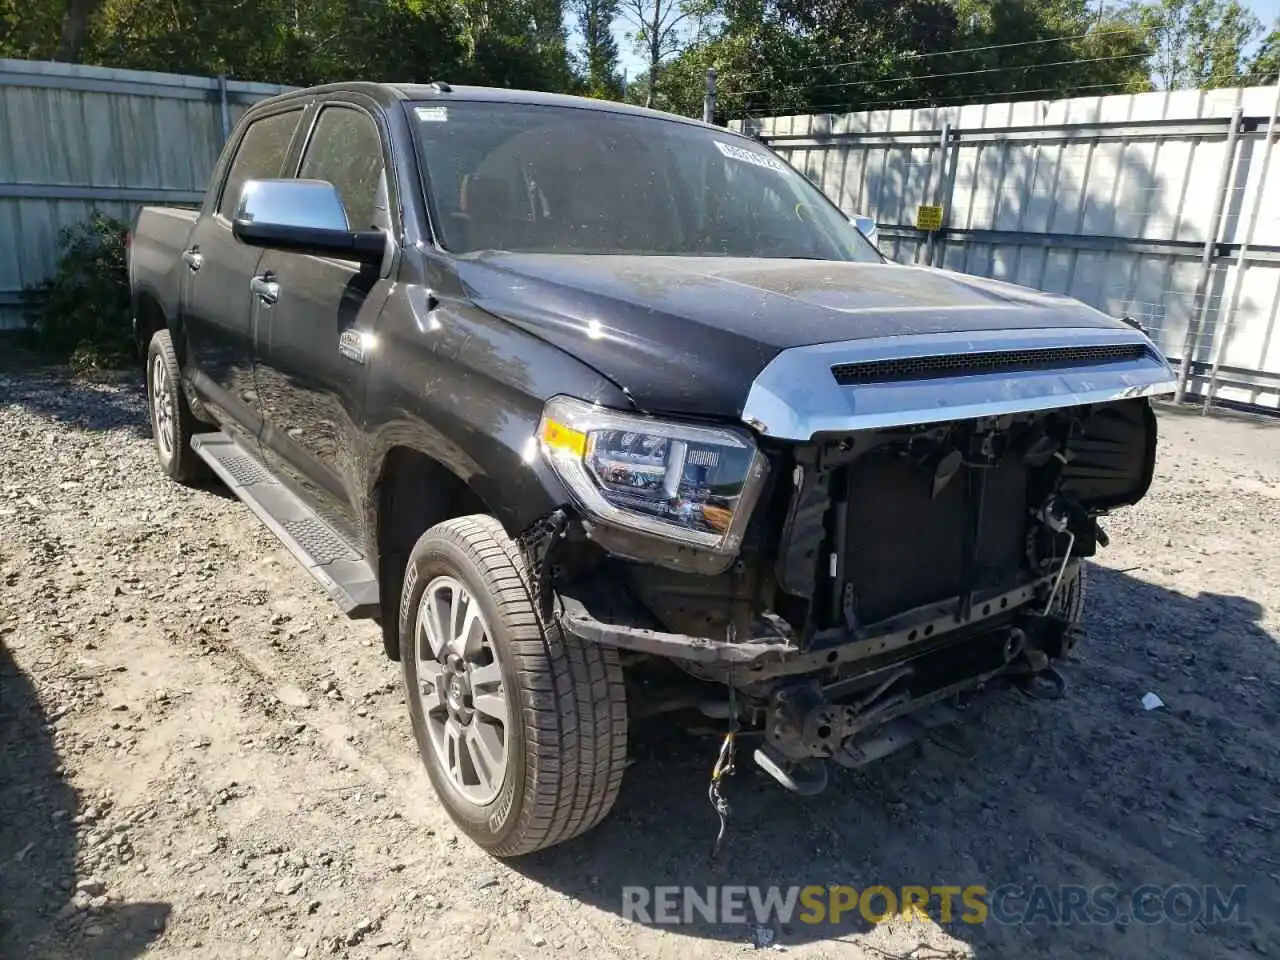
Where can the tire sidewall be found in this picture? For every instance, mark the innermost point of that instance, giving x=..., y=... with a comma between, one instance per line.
x=488, y=824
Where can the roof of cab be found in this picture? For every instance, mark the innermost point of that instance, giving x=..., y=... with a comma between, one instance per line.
x=389, y=93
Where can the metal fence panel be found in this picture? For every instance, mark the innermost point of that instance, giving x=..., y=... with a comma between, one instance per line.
x=82, y=138
x=1137, y=204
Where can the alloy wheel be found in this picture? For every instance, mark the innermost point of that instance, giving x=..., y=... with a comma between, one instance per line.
x=460, y=686
x=164, y=421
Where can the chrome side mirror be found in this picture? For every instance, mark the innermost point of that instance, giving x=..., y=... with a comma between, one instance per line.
x=303, y=216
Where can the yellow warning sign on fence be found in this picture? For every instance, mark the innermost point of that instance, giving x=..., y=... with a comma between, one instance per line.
x=928, y=217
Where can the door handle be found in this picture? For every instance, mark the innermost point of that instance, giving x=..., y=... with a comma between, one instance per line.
x=193, y=258
x=268, y=290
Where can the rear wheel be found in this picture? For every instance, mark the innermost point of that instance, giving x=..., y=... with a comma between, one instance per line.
x=172, y=421
x=523, y=728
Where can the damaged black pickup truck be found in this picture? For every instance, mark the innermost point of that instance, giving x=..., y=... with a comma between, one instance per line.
x=602, y=413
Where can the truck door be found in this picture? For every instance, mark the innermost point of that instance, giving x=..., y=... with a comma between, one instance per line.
x=218, y=308
x=314, y=335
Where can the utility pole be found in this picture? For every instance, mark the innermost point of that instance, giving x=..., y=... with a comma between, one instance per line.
x=709, y=101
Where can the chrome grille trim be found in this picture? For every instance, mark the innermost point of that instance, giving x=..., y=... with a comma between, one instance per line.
x=796, y=396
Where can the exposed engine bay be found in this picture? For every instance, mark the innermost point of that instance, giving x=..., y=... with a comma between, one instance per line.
x=885, y=576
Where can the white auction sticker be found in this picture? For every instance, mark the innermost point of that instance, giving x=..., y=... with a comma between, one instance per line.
x=432, y=114
x=750, y=156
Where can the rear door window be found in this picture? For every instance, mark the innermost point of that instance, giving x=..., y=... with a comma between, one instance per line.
x=260, y=156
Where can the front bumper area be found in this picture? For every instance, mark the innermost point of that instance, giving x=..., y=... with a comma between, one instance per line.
x=858, y=718
x=862, y=696
x=772, y=649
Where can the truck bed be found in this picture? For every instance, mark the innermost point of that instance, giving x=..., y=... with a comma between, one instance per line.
x=156, y=243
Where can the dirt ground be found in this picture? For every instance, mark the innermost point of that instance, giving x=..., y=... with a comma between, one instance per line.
x=199, y=758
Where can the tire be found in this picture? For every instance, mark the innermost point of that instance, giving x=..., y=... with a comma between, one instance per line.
x=563, y=747
x=172, y=422
x=1069, y=602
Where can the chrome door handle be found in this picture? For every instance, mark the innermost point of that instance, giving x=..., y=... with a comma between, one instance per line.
x=193, y=259
x=268, y=291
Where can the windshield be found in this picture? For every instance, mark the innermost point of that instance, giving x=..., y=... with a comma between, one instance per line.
x=543, y=179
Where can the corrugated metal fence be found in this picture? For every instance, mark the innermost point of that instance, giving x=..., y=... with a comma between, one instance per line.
x=1161, y=206
x=78, y=138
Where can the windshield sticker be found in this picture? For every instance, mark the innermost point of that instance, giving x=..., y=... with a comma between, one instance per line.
x=432, y=114
x=750, y=156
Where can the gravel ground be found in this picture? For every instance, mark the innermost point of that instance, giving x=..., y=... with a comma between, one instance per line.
x=199, y=758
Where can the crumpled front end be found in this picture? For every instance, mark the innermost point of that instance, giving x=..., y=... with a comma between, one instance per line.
x=920, y=536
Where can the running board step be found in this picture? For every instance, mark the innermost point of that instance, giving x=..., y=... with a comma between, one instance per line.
x=339, y=567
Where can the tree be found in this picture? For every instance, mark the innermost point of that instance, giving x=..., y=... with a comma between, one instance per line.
x=518, y=43
x=1052, y=48
x=1199, y=43
x=806, y=56
x=30, y=29
x=1264, y=68
x=75, y=29
x=599, y=48
x=311, y=41
x=657, y=30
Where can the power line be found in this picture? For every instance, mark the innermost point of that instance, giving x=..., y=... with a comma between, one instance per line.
x=918, y=78
x=957, y=50
x=815, y=110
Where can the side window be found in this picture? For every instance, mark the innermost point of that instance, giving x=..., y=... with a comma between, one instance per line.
x=345, y=149
x=260, y=156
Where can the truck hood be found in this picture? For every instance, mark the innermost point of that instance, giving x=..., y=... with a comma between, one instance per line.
x=690, y=334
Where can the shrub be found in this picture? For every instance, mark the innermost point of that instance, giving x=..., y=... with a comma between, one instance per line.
x=81, y=314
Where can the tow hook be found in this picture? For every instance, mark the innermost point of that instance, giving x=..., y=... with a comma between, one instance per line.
x=803, y=729
x=1033, y=672
x=805, y=777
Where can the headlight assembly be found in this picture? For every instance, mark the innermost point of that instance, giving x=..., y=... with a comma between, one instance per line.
x=693, y=484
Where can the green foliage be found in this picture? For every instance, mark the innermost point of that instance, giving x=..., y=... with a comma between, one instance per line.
x=516, y=43
x=81, y=314
x=772, y=56
x=1199, y=43
x=30, y=29
x=299, y=42
x=599, y=60
x=798, y=56
x=1265, y=66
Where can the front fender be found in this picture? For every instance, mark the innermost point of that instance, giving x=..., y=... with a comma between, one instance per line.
x=466, y=389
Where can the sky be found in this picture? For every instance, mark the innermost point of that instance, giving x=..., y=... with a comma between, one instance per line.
x=633, y=63
x=1266, y=10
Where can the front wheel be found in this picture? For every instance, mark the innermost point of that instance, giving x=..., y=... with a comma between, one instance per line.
x=1069, y=601
x=523, y=728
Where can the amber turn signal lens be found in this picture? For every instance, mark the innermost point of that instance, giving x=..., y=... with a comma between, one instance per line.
x=559, y=437
x=717, y=517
